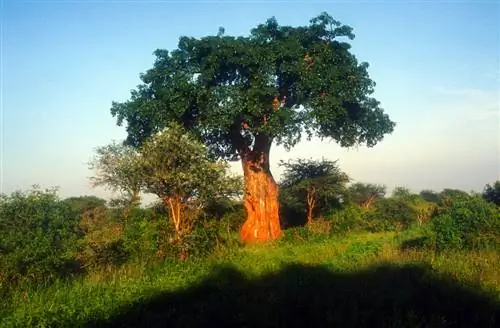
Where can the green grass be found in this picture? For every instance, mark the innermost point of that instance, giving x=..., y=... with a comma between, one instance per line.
x=357, y=280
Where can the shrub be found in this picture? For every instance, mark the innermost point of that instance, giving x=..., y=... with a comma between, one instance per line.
x=491, y=193
x=141, y=233
x=320, y=227
x=348, y=219
x=37, y=237
x=466, y=223
x=82, y=204
x=390, y=214
x=206, y=238
x=102, y=242
x=318, y=230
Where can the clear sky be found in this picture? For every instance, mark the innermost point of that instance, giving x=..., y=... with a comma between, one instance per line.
x=436, y=64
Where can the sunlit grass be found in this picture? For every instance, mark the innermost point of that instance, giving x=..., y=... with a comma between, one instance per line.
x=100, y=294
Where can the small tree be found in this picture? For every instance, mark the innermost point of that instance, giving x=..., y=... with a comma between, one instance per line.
x=119, y=168
x=491, y=193
x=178, y=169
x=405, y=194
x=364, y=194
x=315, y=182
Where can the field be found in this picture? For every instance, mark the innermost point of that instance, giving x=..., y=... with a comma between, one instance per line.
x=364, y=279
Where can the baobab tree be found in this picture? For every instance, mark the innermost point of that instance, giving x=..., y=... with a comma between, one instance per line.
x=239, y=95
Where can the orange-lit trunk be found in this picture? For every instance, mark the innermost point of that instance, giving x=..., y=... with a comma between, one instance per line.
x=174, y=204
x=311, y=204
x=261, y=200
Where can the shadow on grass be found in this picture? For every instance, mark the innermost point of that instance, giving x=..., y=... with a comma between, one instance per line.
x=305, y=296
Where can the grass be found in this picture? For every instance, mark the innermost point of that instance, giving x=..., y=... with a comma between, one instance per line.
x=358, y=280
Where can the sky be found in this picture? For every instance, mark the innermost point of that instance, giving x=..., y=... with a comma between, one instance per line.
x=436, y=65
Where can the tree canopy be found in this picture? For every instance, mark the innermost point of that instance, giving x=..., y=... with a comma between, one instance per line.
x=364, y=194
x=177, y=169
x=315, y=184
x=118, y=168
x=492, y=192
x=274, y=84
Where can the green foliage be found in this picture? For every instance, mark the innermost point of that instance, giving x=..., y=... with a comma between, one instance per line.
x=178, y=169
x=317, y=186
x=447, y=195
x=297, y=235
x=242, y=93
x=406, y=195
x=142, y=232
x=348, y=219
x=102, y=243
x=292, y=210
x=229, y=213
x=492, y=193
x=364, y=194
x=37, y=237
x=360, y=250
x=430, y=196
x=466, y=222
x=390, y=214
x=177, y=165
x=118, y=168
x=374, y=284
x=82, y=204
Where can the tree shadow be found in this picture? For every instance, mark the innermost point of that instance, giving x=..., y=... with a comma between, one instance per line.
x=307, y=296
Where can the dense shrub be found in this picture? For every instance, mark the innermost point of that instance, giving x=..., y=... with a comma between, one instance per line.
x=348, y=219
x=298, y=234
x=102, y=242
x=37, y=237
x=82, y=204
x=293, y=213
x=233, y=220
x=390, y=214
x=466, y=222
x=150, y=235
x=141, y=233
x=318, y=230
x=492, y=193
x=320, y=227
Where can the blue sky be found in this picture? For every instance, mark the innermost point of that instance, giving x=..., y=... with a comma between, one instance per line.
x=436, y=64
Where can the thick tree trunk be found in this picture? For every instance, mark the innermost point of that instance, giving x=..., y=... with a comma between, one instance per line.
x=261, y=200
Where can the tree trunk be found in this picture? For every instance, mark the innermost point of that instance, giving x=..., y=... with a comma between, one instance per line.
x=311, y=203
x=368, y=203
x=174, y=204
x=260, y=200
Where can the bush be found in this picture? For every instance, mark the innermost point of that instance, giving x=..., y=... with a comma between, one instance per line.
x=37, y=237
x=348, y=219
x=491, y=193
x=141, y=233
x=390, y=214
x=320, y=227
x=466, y=223
x=318, y=230
x=102, y=241
x=207, y=237
x=82, y=204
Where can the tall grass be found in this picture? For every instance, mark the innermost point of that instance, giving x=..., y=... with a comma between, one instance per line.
x=105, y=294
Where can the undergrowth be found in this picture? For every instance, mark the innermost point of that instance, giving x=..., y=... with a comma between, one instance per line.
x=105, y=296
